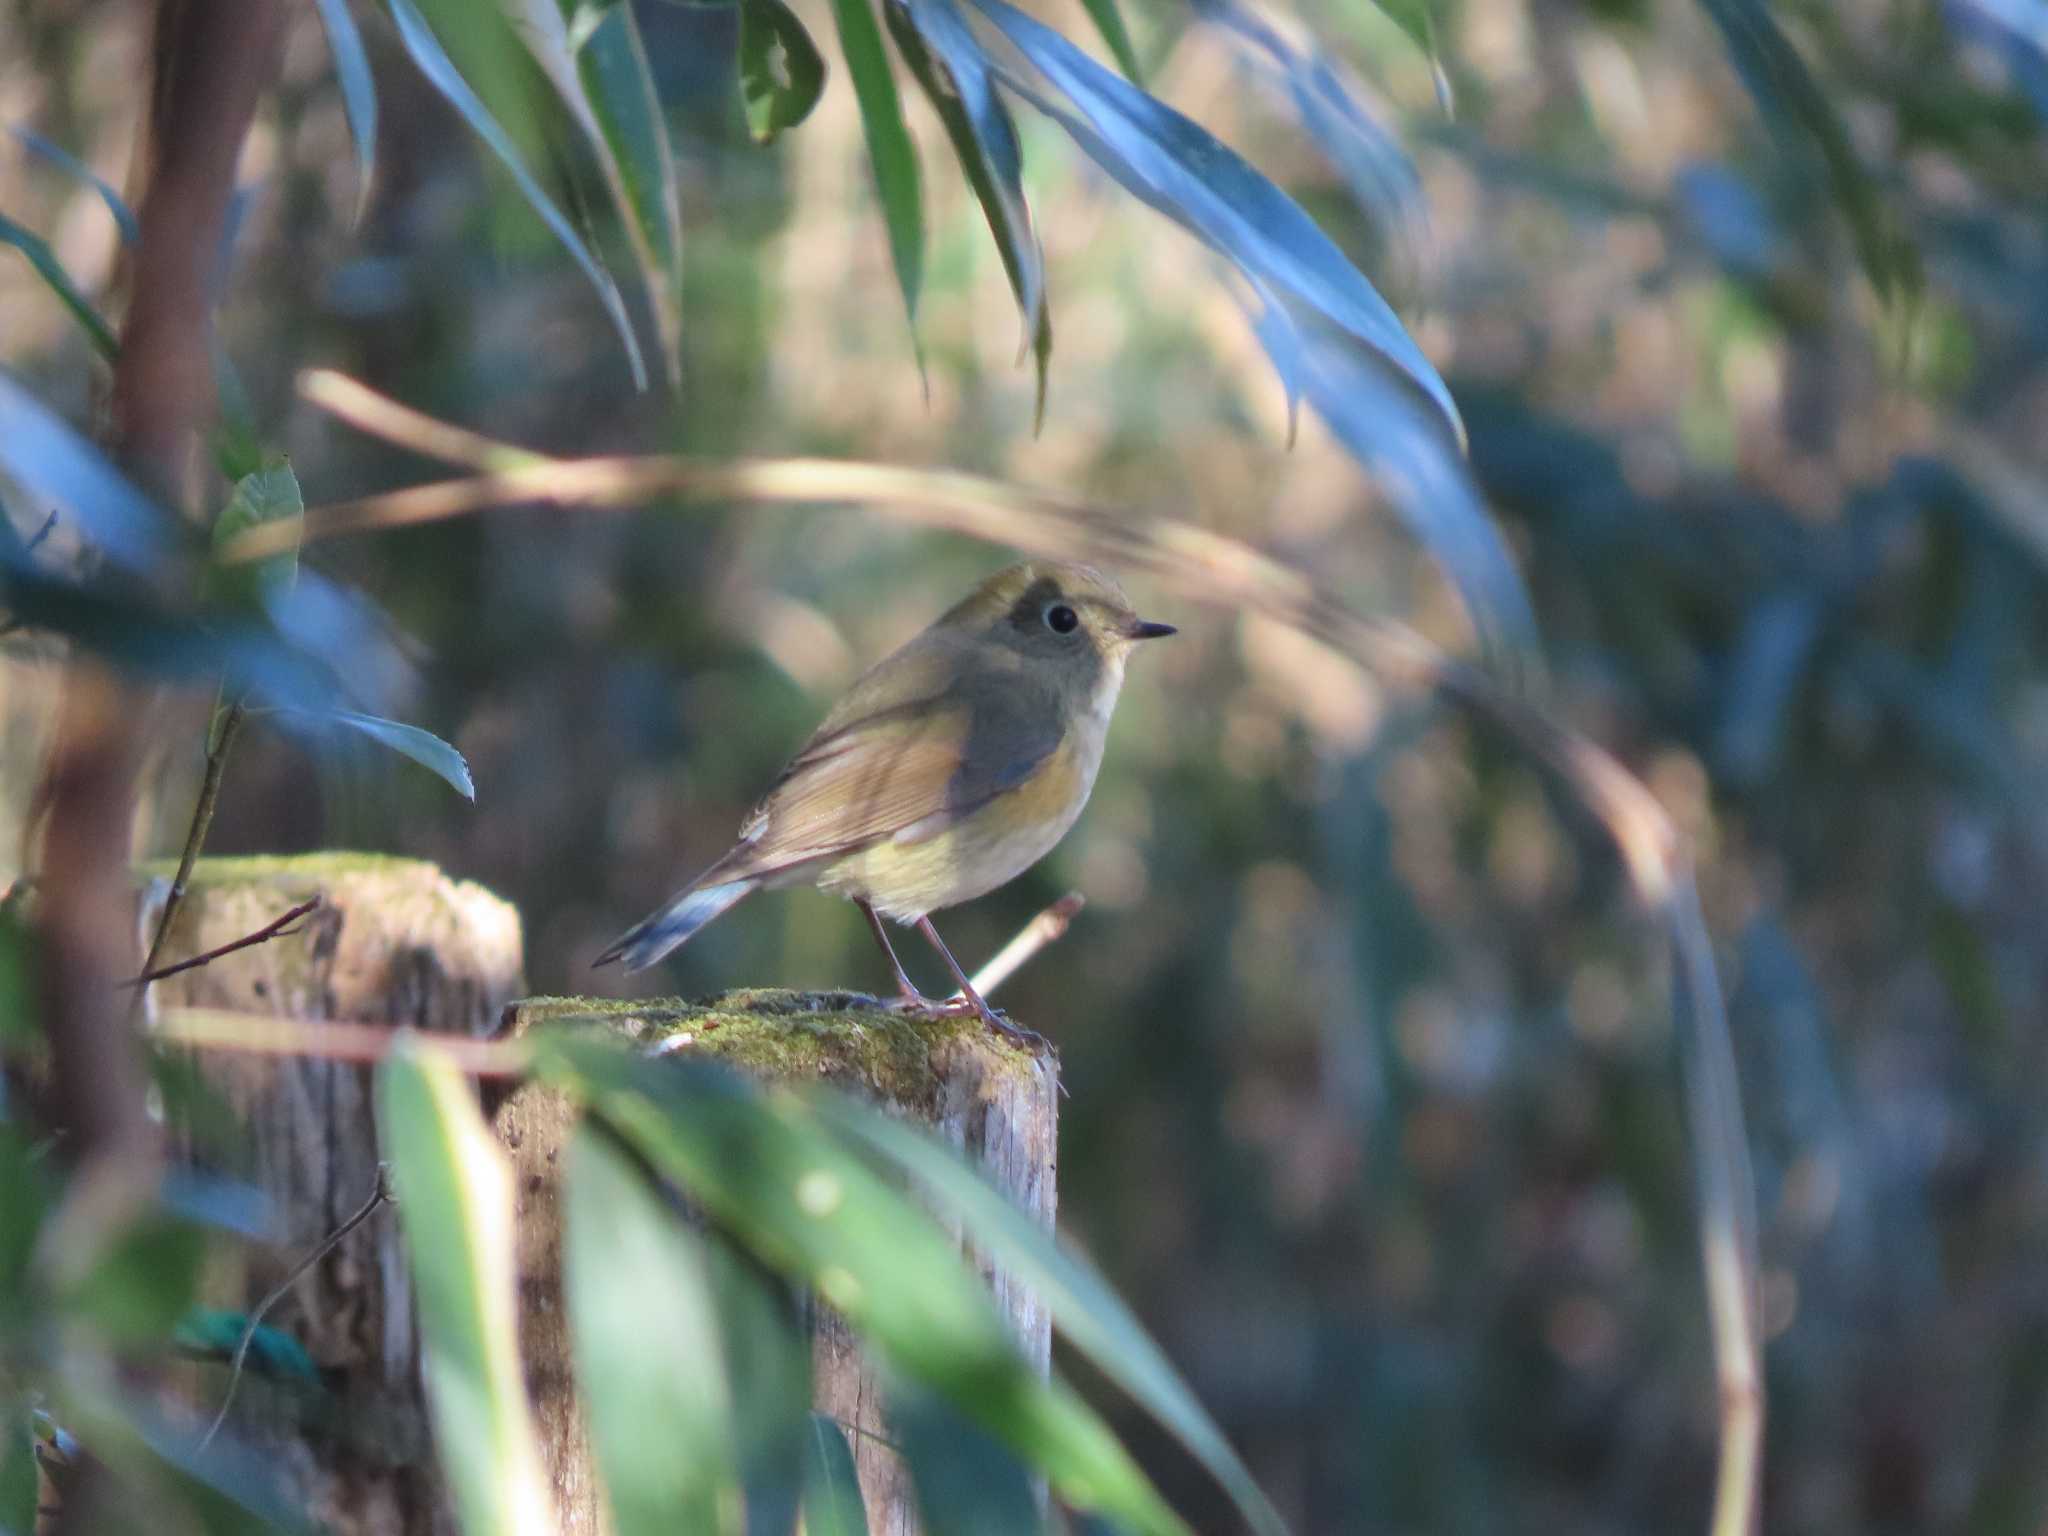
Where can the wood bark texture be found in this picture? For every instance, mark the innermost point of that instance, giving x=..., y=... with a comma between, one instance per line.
x=393, y=941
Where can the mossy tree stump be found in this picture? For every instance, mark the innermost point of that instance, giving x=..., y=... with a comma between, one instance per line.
x=997, y=1103
x=392, y=941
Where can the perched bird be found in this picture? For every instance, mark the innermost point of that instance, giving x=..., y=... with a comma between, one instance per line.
x=950, y=768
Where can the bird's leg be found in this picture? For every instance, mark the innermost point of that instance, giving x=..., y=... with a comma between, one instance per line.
x=1030, y=1039
x=905, y=988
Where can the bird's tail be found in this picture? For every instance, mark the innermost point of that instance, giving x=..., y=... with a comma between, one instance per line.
x=671, y=925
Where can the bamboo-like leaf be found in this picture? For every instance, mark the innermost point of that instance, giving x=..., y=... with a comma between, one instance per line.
x=890, y=150
x=833, y=1505
x=1109, y=21
x=71, y=165
x=965, y=1481
x=51, y=270
x=781, y=72
x=950, y=66
x=1084, y=1308
x=455, y=1200
x=761, y=1325
x=769, y=1174
x=433, y=61
x=409, y=741
x=57, y=467
x=648, y=1355
x=358, y=93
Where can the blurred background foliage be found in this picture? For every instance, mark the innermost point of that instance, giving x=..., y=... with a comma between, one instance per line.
x=1373, y=1115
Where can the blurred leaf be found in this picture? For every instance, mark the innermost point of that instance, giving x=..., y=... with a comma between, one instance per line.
x=269, y=495
x=161, y=1483
x=1764, y=674
x=18, y=1028
x=1109, y=21
x=781, y=73
x=2019, y=29
x=1799, y=112
x=423, y=747
x=57, y=467
x=455, y=1201
x=358, y=94
x=18, y=1484
x=964, y=1480
x=136, y=1290
x=52, y=272
x=1182, y=170
x=768, y=1174
x=433, y=61
x=648, y=1354
x=214, y=1333
x=766, y=1345
x=833, y=1505
x=598, y=64
x=25, y=1178
x=63, y=159
x=961, y=91
x=1087, y=1312
x=890, y=150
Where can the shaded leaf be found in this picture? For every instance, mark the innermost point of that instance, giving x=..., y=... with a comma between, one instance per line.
x=1085, y=1309
x=890, y=150
x=28, y=1187
x=781, y=72
x=64, y=160
x=965, y=1481
x=950, y=66
x=455, y=1202
x=358, y=93
x=645, y=1327
x=433, y=61
x=768, y=1174
x=18, y=1484
x=833, y=1505
x=137, y=1290
x=44, y=260
x=423, y=747
x=1109, y=21
x=57, y=467
x=767, y=1346
x=268, y=495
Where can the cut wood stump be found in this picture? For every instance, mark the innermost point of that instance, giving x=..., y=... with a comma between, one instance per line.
x=997, y=1103
x=392, y=941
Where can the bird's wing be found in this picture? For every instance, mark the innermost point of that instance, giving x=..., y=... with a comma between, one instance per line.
x=905, y=759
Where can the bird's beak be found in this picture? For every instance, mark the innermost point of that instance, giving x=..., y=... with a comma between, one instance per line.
x=1145, y=629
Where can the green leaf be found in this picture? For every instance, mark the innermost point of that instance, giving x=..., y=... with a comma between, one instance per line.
x=964, y=1480
x=18, y=1484
x=136, y=1291
x=454, y=1193
x=766, y=1171
x=423, y=747
x=433, y=61
x=269, y=495
x=1085, y=1309
x=27, y=1183
x=833, y=1505
x=648, y=1351
x=44, y=260
x=781, y=73
x=358, y=93
x=1109, y=22
x=598, y=64
x=766, y=1345
x=948, y=63
x=18, y=1027
x=890, y=150
x=55, y=465
x=71, y=165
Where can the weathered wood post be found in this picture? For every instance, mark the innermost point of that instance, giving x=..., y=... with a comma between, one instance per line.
x=393, y=941
x=998, y=1104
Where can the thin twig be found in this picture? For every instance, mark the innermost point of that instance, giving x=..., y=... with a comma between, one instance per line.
x=278, y=928
x=224, y=1029
x=1046, y=928
x=401, y=424
x=378, y=1196
x=195, y=837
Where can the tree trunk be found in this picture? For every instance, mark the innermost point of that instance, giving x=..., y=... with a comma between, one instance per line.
x=393, y=941
x=998, y=1104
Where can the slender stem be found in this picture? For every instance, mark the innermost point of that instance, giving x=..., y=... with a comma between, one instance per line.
x=195, y=838
x=278, y=928
x=1046, y=928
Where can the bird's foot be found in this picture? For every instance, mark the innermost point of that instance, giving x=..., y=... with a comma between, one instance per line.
x=959, y=1007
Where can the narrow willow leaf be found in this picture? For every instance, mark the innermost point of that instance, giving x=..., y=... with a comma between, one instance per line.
x=71, y=165
x=57, y=467
x=965, y=1481
x=762, y=1326
x=1085, y=1309
x=455, y=1200
x=423, y=747
x=781, y=72
x=358, y=94
x=833, y=1505
x=1109, y=21
x=1181, y=169
x=648, y=1356
x=597, y=62
x=890, y=150
x=948, y=63
x=58, y=281
x=770, y=1175
x=441, y=73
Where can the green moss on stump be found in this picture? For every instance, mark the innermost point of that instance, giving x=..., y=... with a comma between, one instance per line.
x=780, y=1035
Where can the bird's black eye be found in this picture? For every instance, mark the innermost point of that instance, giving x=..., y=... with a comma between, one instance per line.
x=1061, y=619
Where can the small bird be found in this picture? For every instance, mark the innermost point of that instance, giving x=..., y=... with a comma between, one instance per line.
x=948, y=769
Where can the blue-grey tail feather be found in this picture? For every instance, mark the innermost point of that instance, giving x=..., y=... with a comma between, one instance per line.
x=670, y=927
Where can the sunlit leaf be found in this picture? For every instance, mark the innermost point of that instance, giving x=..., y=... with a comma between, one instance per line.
x=890, y=150
x=781, y=72
x=358, y=93
x=965, y=1481
x=1181, y=169
x=54, y=464
x=767, y=1173
x=1085, y=1309
x=833, y=1505
x=51, y=270
x=433, y=61
x=949, y=64
x=648, y=1352
x=454, y=1193
x=268, y=495
x=423, y=747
